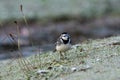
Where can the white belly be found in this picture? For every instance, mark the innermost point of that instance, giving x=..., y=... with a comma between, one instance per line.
x=63, y=47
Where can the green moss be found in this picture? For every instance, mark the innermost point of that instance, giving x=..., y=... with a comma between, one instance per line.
x=90, y=60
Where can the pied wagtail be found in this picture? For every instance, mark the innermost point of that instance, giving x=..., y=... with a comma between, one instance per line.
x=63, y=43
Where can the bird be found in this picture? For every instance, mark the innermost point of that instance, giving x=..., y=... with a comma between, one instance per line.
x=63, y=44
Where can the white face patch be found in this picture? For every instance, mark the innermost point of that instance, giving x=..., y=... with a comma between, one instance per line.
x=65, y=37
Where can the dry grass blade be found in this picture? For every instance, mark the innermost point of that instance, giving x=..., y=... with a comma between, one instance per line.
x=21, y=8
x=22, y=62
x=26, y=22
x=18, y=34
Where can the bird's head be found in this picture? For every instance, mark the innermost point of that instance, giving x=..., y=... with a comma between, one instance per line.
x=65, y=37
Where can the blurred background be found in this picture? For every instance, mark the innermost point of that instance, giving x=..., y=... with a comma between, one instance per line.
x=41, y=22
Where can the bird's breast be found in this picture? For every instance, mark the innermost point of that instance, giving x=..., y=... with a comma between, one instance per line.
x=63, y=47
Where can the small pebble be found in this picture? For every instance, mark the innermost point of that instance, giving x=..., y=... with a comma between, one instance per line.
x=73, y=69
x=42, y=71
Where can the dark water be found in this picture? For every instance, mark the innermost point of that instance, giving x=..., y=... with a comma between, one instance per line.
x=13, y=52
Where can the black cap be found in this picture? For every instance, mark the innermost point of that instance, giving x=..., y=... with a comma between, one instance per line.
x=64, y=33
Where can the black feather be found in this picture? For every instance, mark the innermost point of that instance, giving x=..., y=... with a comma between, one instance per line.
x=64, y=33
x=65, y=41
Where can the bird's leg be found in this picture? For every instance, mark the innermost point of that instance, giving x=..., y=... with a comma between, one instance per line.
x=65, y=56
x=61, y=55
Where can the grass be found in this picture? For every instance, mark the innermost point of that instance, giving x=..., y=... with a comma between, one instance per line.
x=90, y=60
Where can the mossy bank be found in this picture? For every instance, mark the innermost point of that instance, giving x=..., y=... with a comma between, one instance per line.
x=90, y=60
